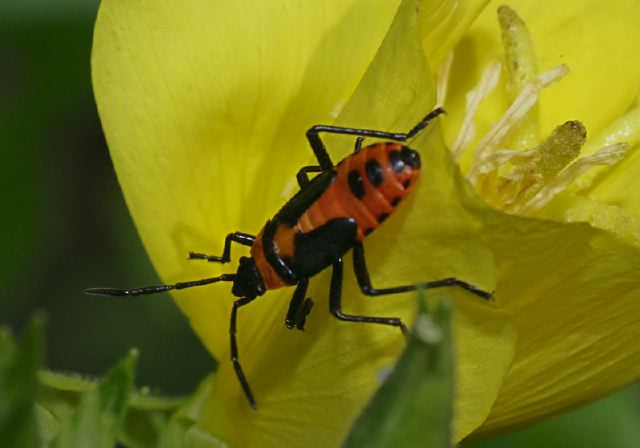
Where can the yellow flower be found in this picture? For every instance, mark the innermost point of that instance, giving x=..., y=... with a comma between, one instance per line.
x=205, y=107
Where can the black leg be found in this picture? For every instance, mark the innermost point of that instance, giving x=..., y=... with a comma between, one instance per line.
x=335, y=302
x=362, y=274
x=303, y=177
x=115, y=292
x=234, y=351
x=321, y=152
x=237, y=237
x=303, y=173
x=299, y=307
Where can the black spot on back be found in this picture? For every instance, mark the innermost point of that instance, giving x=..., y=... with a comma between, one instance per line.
x=374, y=172
x=406, y=183
x=368, y=231
x=355, y=184
x=395, y=160
x=383, y=217
x=396, y=201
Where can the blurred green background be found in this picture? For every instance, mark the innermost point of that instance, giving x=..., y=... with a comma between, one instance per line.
x=65, y=227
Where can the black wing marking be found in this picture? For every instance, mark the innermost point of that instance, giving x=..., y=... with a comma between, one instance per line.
x=321, y=247
x=270, y=253
x=302, y=200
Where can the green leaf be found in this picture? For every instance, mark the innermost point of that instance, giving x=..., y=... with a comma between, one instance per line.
x=57, y=398
x=147, y=415
x=147, y=419
x=18, y=367
x=183, y=429
x=100, y=414
x=414, y=407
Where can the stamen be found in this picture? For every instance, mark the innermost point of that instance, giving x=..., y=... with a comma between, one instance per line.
x=474, y=98
x=560, y=149
x=606, y=156
x=498, y=134
x=522, y=68
x=501, y=157
x=552, y=75
x=624, y=129
x=513, y=177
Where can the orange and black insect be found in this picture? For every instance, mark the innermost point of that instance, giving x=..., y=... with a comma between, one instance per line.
x=331, y=214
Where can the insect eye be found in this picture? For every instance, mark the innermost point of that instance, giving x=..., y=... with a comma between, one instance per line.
x=410, y=157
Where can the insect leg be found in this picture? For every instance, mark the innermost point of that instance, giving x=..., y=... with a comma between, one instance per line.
x=362, y=275
x=335, y=301
x=234, y=351
x=299, y=307
x=303, y=177
x=320, y=150
x=115, y=292
x=237, y=237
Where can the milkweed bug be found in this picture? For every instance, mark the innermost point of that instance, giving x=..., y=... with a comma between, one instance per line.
x=331, y=214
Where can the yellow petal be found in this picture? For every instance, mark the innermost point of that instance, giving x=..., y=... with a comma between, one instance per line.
x=486, y=340
x=574, y=294
x=444, y=22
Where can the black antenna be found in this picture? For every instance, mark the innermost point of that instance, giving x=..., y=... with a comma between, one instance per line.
x=425, y=121
x=115, y=292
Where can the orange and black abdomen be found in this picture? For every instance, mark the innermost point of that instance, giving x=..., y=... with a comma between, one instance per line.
x=335, y=210
x=369, y=185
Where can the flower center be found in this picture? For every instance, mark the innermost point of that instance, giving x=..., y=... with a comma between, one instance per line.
x=513, y=169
